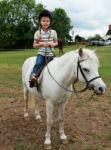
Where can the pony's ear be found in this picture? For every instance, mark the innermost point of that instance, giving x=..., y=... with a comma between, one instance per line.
x=80, y=52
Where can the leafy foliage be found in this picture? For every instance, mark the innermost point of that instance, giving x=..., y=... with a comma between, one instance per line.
x=95, y=37
x=78, y=38
x=19, y=20
x=62, y=24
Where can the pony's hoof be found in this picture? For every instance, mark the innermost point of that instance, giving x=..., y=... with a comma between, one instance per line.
x=47, y=146
x=26, y=115
x=64, y=141
x=38, y=118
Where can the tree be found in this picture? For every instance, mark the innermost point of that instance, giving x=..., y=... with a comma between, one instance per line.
x=62, y=24
x=78, y=38
x=18, y=22
x=96, y=37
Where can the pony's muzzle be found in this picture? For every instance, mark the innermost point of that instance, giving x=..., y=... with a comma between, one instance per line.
x=100, y=90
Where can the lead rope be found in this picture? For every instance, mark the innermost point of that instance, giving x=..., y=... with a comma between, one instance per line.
x=52, y=76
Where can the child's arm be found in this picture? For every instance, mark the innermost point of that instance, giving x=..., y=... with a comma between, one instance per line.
x=55, y=41
x=53, y=44
x=37, y=44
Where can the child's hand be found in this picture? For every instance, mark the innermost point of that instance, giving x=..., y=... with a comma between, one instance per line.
x=51, y=44
x=46, y=44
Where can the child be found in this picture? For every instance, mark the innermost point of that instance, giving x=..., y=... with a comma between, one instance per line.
x=45, y=39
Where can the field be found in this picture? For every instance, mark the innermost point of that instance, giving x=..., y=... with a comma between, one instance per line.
x=87, y=123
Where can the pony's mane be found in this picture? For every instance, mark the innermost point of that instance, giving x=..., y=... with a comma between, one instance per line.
x=88, y=54
x=91, y=55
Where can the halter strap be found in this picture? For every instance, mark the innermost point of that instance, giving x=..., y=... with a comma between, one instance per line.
x=82, y=73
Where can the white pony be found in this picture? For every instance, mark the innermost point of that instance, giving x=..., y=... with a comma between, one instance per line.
x=64, y=70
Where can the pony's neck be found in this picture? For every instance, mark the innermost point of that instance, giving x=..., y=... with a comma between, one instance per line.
x=68, y=64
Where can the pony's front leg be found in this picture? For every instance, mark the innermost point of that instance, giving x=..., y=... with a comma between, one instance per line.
x=49, y=111
x=37, y=113
x=63, y=137
x=26, y=114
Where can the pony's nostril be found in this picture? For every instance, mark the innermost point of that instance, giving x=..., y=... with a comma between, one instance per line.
x=101, y=89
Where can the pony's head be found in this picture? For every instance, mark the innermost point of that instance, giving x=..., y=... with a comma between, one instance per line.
x=87, y=71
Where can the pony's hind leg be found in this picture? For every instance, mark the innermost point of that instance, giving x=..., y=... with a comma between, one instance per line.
x=26, y=91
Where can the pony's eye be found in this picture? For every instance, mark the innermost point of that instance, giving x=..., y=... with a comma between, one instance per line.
x=86, y=70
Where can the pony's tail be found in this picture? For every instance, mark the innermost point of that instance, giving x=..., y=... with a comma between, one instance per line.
x=31, y=103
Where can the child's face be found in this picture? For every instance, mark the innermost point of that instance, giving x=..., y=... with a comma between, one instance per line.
x=45, y=22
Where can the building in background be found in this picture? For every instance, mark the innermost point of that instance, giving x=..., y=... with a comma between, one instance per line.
x=108, y=34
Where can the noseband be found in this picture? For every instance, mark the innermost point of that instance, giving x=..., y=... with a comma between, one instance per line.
x=83, y=75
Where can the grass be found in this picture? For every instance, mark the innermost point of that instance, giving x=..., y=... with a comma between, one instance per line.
x=11, y=63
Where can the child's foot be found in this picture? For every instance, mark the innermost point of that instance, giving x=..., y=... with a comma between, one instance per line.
x=33, y=77
x=33, y=81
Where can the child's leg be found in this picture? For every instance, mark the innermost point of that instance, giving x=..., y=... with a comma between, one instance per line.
x=39, y=62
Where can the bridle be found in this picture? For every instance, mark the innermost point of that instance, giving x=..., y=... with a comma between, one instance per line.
x=73, y=84
x=83, y=75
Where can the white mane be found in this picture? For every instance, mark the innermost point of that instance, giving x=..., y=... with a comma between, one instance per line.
x=88, y=54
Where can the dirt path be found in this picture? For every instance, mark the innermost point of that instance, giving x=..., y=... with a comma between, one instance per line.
x=87, y=124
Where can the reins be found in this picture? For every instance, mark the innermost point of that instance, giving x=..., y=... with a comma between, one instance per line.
x=73, y=84
x=51, y=74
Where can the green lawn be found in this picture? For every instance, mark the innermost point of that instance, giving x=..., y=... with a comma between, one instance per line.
x=11, y=63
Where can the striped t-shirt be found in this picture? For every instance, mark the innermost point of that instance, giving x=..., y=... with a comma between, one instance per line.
x=43, y=36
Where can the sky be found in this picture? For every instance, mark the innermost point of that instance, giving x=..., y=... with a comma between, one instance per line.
x=88, y=17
